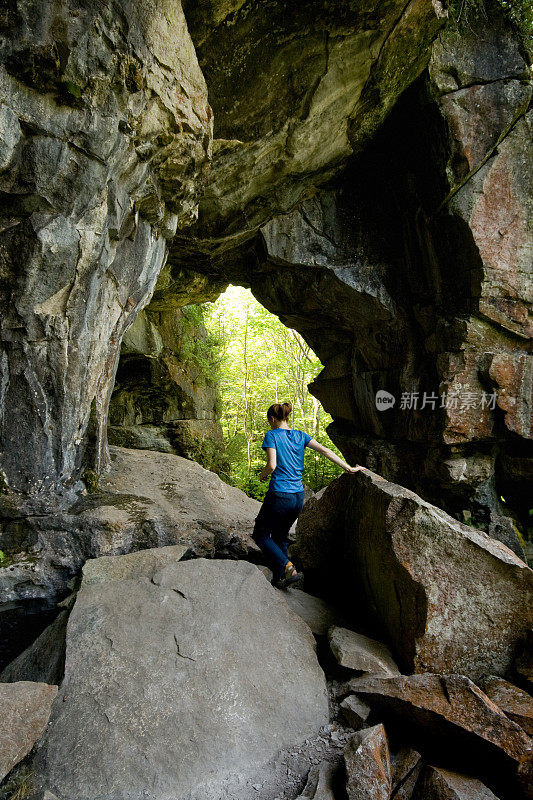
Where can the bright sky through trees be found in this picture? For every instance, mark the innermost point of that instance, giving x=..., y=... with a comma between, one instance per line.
x=260, y=362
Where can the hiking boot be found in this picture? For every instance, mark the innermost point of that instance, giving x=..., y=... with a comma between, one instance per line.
x=290, y=577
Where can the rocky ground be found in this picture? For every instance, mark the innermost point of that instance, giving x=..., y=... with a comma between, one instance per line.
x=181, y=677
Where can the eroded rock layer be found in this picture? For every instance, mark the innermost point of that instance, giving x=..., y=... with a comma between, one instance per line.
x=106, y=134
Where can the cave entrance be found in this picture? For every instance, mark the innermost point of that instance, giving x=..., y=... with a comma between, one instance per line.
x=197, y=381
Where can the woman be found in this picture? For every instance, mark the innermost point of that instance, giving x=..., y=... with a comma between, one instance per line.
x=284, y=500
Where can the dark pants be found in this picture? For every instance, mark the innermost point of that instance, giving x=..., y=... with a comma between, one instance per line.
x=272, y=526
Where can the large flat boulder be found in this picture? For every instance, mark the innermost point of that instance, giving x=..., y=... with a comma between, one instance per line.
x=25, y=712
x=180, y=686
x=147, y=500
x=144, y=563
x=440, y=589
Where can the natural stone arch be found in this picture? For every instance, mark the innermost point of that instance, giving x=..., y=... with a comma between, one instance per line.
x=389, y=273
x=279, y=165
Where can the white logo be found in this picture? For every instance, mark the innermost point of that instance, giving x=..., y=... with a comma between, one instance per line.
x=384, y=400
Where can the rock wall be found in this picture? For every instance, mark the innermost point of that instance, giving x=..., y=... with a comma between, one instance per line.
x=409, y=271
x=165, y=395
x=368, y=181
x=105, y=139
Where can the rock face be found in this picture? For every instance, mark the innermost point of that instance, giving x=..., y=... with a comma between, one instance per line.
x=408, y=274
x=415, y=566
x=106, y=134
x=172, y=687
x=147, y=500
x=25, y=712
x=369, y=181
x=165, y=397
x=275, y=139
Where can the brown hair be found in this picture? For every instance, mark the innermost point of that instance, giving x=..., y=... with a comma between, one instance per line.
x=279, y=411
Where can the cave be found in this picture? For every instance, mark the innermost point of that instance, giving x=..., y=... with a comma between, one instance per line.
x=381, y=280
x=362, y=168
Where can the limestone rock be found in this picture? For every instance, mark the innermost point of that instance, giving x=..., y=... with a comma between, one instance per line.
x=106, y=147
x=354, y=711
x=515, y=703
x=406, y=766
x=451, y=708
x=173, y=687
x=44, y=660
x=319, y=784
x=440, y=784
x=367, y=761
x=144, y=563
x=163, y=398
x=275, y=138
x=319, y=528
x=147, y=500
x=415, y=566
x=25, y=713
x=358, y=652
x=318, y=614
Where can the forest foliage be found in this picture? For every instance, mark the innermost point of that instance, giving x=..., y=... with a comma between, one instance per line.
x=257, y=361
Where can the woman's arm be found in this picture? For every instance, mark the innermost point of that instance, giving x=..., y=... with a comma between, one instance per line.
x=270, y=465
x=325, y=451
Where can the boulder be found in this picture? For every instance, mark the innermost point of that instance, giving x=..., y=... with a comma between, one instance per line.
x=406, y=766
x=354, y=651
x=144, y=563
x=515, y=703
x=319, y=784
x=453, y=713
x=180, y=686
x=319, y=528
x=25, y=713
x=439, y=589
x=107, y=149
x=147, y=500
x=318, y=614
x=354, y=711
x=440, y=784
x=367, y=761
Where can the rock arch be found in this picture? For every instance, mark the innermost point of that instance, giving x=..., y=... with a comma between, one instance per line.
x=367, y=179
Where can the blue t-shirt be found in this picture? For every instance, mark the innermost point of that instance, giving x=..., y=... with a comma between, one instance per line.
x=289, y=445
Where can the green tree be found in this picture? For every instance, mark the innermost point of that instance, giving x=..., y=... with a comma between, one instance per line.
x=260, y=362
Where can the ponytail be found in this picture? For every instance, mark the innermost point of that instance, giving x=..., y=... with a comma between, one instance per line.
x=279, y=411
